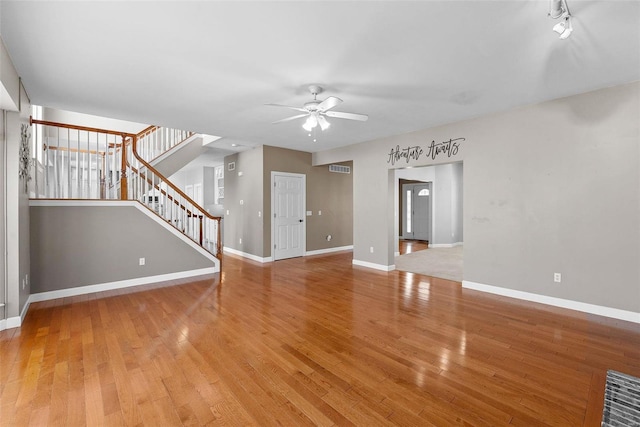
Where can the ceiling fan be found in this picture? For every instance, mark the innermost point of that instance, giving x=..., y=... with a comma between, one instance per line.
x=316, y=110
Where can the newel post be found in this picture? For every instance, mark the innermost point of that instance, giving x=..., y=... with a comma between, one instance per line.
x=123, y=170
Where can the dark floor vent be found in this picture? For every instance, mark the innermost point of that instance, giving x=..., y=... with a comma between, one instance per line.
x=621, y=400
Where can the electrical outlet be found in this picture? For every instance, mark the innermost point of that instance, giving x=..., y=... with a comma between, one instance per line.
x=23, y=284
x=26, y=278
x=371, y=249
x=142, y=261
x=259, y=214
x=319, y=213
x=557, y=277
x=241, y=240
x=329, y=238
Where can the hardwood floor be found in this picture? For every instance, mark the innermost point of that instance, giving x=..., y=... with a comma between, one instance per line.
x=308, y=341
x=410, y=246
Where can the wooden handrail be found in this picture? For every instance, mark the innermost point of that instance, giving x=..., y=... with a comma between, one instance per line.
x=72, y=150
x=83, y=128
x=169, y=183
x=147, y=130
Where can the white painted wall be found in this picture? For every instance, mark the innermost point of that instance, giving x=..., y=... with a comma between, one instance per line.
x=88, y=120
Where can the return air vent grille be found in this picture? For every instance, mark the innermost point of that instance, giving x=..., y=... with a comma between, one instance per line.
x=339, y=169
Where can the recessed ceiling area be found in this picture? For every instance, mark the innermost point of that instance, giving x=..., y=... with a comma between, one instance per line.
x=212, y=66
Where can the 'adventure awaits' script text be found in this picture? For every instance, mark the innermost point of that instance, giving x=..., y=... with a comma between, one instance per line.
x=450, y=148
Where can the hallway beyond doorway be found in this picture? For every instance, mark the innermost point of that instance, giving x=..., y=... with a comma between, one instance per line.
x=445, y=263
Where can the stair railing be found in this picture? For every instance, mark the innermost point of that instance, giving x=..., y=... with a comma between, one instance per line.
x=152, y=189
x=77, y=162
x=156, y=141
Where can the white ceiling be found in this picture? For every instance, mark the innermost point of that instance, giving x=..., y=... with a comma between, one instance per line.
x=210, y=66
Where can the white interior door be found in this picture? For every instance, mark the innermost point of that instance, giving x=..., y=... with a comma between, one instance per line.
x=288, y=215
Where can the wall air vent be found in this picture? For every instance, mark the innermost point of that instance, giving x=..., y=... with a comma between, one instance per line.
x=231, y=166
x=339, y=169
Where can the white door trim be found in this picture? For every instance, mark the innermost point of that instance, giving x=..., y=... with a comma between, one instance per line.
x=273, y=208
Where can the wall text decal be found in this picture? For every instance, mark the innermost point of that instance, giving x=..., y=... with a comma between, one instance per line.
x=450, y=148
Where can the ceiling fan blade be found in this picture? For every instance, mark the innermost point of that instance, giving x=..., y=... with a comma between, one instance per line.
x=299, y=116
x=287, y=106
x=349, y=116
x=329, y=103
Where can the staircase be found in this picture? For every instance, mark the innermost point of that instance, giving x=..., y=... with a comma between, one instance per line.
x=77, y=162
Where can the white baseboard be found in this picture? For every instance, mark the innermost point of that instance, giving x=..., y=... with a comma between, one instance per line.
x=88, y=289
x=270, y=259
x=374, y=266
x=329, y=250
x=11, y=322
x=15, y=322
x=445, y=245
x=248, y=256
x=599, y=310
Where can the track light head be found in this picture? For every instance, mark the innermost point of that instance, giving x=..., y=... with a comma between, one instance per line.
x=559, y=9
x=556, y=8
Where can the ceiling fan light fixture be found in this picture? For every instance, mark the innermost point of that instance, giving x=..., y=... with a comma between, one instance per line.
x=324, y=124
x=316, y=112
x=310, y=123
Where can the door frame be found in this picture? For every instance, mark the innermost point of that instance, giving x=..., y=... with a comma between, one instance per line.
x=273, y=209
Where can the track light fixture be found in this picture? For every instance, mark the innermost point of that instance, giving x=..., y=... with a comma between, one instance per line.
x=559, y=9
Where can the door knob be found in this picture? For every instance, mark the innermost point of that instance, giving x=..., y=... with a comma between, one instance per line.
x=300, y=220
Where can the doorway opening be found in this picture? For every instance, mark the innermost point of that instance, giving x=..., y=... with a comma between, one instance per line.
x=429, y=225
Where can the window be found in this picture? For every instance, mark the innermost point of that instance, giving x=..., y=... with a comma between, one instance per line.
x=409, y=211
x=423, y=192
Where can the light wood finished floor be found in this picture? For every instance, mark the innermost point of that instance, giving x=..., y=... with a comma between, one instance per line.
x=410, y=246
x=308, y=341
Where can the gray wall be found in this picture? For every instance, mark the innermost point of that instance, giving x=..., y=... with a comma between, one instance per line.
x=17, y=213
x=328, y=192
x=179, y=158
x=331, y=193
x=208, y=185
x=442, y=193
x=553, y=187
x=448, y=204
x=244, y=202
x=75, y=246
x=457, y=205
x=15, y=110
x=3, y=241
